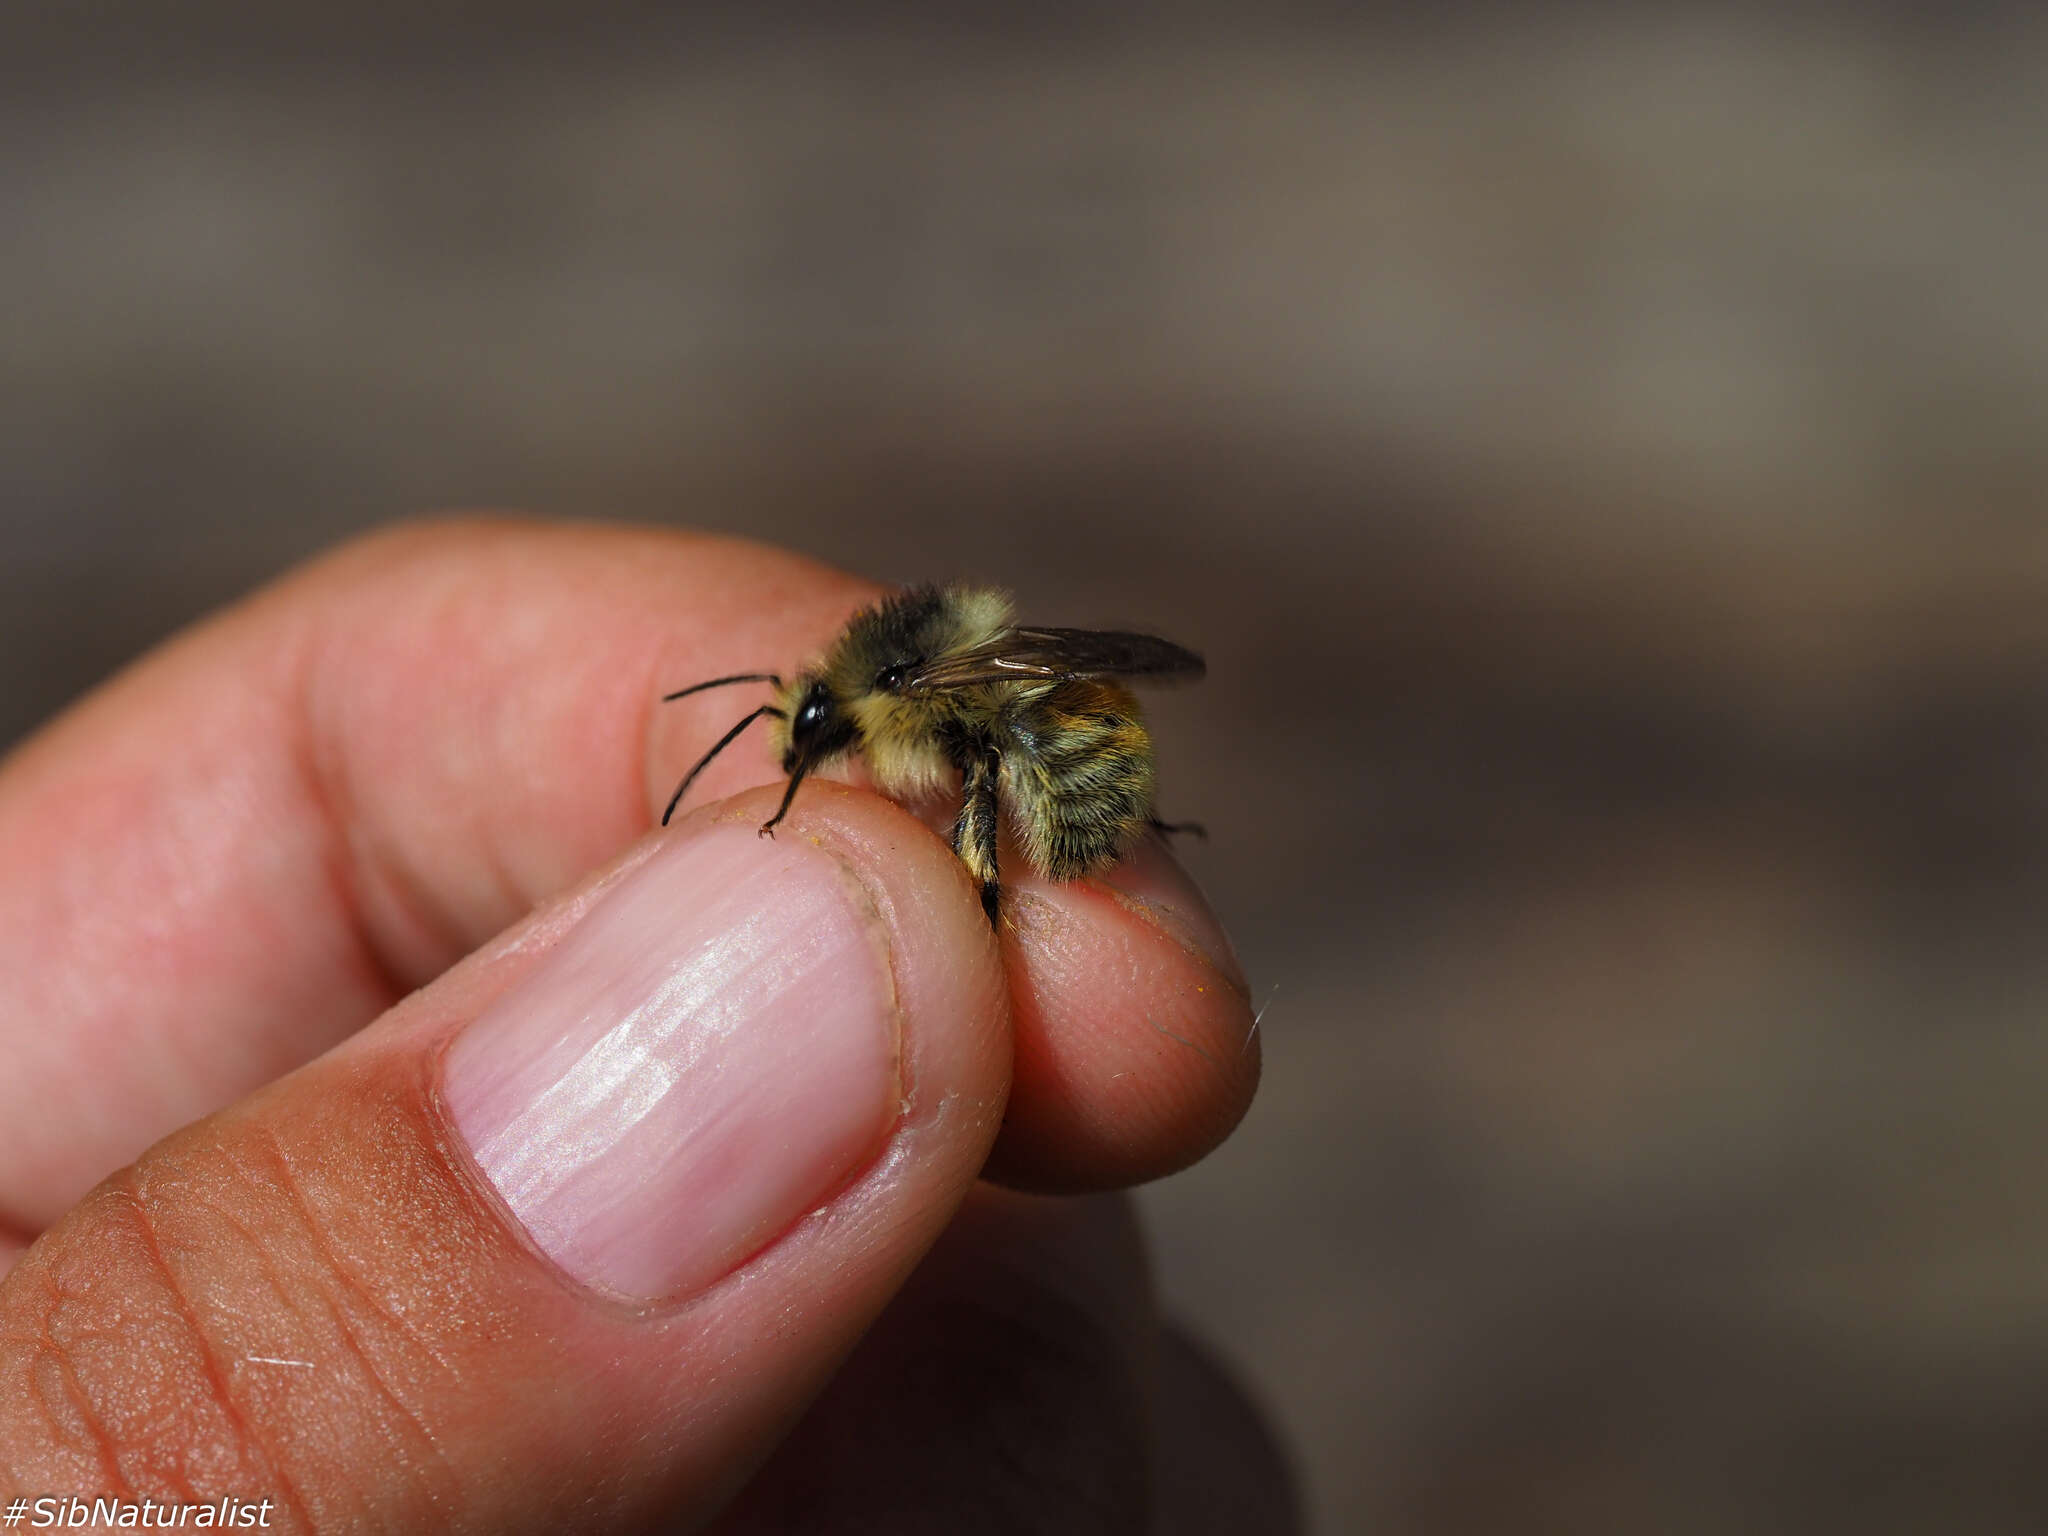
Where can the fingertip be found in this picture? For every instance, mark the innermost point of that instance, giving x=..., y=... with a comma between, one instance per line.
x=1136, y=1051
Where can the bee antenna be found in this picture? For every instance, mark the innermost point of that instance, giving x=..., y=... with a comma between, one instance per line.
x=720, y=682
x=724, y=741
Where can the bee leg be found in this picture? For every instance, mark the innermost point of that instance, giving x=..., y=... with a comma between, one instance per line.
x=767, y=828
x=974, y=833
x=1174, y=828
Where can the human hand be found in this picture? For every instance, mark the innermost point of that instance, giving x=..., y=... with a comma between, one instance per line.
x=574, y=1233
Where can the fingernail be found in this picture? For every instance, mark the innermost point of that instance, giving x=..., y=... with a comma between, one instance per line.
x=709, y=1054
x=1154, y=882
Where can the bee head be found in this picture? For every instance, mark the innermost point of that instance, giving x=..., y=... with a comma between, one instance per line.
x=819, y=726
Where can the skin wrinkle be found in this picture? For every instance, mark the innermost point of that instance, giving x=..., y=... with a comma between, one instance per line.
x=213, y=1207
x=330, y=1262
x=49, y=1351
x=379, y=1309
x=1142, y=909
x=1150, y=914
x=647, y=733
x=512, y=898
x=390, y=1432
x=61, y=1408
x=1183, y=1040
x=126, y=1187
x=352, y=1341
x=326, y=789
x=326, y=753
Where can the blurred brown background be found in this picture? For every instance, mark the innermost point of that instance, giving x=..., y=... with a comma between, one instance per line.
x=1600, y=451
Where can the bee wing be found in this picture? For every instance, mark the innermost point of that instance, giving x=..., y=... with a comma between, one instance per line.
x=1055, y=655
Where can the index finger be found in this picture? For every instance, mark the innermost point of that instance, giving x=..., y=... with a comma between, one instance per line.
x=251, y=843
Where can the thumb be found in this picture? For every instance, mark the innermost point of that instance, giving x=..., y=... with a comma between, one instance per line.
x=571, y=1236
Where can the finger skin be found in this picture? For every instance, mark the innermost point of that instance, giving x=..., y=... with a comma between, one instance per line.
x=1135, y=1051
x=314, y=1296
x=245, y=847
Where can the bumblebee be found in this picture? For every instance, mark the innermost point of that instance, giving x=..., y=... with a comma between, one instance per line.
x=1037, y=724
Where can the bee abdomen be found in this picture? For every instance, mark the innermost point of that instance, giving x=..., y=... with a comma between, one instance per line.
x=1078, y=777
